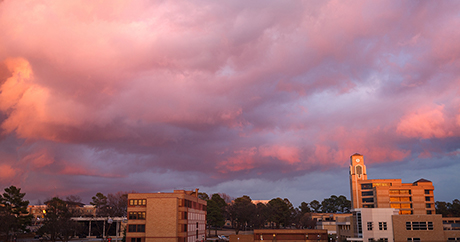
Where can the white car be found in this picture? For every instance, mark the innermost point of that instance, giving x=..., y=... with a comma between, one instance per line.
x=222, y=238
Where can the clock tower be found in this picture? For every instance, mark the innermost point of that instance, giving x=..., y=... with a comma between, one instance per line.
x=357, y=174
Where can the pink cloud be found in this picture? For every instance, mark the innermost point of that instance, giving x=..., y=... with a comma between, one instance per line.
x=290, y=155
x=425, y=123
x=223, y=88
x=6, y=172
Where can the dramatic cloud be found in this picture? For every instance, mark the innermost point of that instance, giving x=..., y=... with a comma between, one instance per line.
x=269, y=95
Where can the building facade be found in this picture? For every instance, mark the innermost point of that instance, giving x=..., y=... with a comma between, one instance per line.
x=177, y=217
x=409, y=198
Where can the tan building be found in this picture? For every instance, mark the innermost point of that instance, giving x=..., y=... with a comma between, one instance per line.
x=410, y=198
x=328, y=221
x=283, y=235
x=177, y=217
x=390, y=210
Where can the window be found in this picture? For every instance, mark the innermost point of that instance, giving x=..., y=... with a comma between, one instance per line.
x=413, y=239
x=384, y=239
x=359, y=170
x=427, y=192
x=428, y=205
x=406, y=212
x=419, y=225
x=427, y=199
x=137, y=202
x=136, y=228
x=136, y=215
x=184, y=228
x=366, y=186
x=358, y=218
x=382, y=225
x=370, y=240
x=429, y=212
x=368, y=200
x=369, y=226
x=395, y=205
x=196, y=224
x=136, y=239
x=368, y=193
x=406, y=205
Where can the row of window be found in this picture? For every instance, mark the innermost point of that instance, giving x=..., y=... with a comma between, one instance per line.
x=382, y=225
x=400, y=199
x=136, y=215
x=191, y=204
x=413, y=239
x=419, y=225
x=368, y=200
x=401, y=205
x=136, y=228
x=367, y=193
x=400, y=191
x=381, y=239
x=137, y=202
x=367, y=186
x=184, y=227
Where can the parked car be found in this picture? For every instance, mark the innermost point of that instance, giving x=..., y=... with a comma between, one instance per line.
x=222, y=238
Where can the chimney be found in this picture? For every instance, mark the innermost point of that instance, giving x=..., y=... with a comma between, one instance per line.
x=196, y=192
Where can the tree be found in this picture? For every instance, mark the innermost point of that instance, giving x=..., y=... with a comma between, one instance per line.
x=442, y=208
x=304, y=208
x=281, y=212
x=455, y=208
x=100, y=203
x=316, y=206
x=216, y=211
x=14, y=216
x=203, y=196
x=336, y=204
x=117, y=204
x=448, y=209
x=329, y=205
x=57, y=222
x=241, y=212
x=73, y=198
x=343, y=204
x=306, y=221
x=261, y=216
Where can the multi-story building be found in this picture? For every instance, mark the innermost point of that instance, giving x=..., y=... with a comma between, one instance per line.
x=409, y=198
x=177, y=217
x=389, y=210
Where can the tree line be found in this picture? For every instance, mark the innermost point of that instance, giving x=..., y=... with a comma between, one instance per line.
x=56, y=223
x=448, y=209
x=242, y=212
x=278, y=212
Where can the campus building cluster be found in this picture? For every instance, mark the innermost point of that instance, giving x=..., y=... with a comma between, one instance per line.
x=389, y=210
x=382, y=210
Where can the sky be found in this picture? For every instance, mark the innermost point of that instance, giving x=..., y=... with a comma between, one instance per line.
x=261, y=98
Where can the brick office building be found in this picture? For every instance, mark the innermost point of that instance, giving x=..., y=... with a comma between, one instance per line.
x=177, y=217
x=410, y=198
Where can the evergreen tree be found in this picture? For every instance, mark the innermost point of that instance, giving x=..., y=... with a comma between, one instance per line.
x=57, y=222
x=14, y=216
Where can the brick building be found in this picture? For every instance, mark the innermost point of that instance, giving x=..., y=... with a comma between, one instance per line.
x=177, y=217
x=408, y=198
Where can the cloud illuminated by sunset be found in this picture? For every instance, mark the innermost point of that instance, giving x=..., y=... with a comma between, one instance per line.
x=157, y=95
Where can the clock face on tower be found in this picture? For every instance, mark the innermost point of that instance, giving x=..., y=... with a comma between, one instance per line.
x=357, y=160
